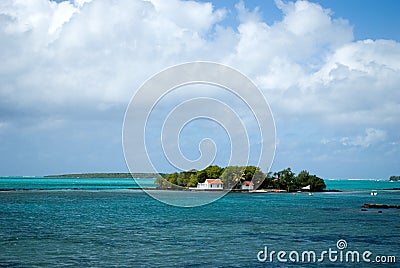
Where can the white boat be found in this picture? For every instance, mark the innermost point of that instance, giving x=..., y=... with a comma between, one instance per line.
x=374, y=192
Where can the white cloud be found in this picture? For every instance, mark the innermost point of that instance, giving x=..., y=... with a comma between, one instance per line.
x=101, y=51
x=80, y=3
x=84, y=56
x=372, y=136
x=308, y=64
x=198, y=17
x=358, y=84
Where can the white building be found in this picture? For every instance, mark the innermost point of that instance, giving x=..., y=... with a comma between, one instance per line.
x=308, y=187
x=211, y=185
x=248, y=185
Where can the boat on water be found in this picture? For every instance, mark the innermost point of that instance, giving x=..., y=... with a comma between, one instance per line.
x=374, y=192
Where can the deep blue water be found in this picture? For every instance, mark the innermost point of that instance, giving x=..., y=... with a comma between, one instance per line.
x=127, y=228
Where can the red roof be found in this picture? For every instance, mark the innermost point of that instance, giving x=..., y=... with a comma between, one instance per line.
x=216, y=181
x=248, y=183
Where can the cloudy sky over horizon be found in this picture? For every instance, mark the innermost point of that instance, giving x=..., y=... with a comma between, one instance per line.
x=329, y=70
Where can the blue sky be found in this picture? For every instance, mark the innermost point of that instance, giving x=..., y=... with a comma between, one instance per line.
x=370, y=18
x=329, y=70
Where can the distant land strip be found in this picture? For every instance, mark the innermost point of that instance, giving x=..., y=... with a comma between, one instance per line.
x=107, y=175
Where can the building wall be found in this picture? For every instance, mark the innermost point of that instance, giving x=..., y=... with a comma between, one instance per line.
x=206, y=185
x=248, y=187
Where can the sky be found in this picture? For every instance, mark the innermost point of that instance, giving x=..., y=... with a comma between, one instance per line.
x=328, y=69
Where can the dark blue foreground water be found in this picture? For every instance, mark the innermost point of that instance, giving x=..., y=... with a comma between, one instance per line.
x=127, y=228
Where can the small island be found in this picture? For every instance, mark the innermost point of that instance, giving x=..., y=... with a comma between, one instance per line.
x=231, y=178
x=241, y=178
x=394, y=178
x=106, y=175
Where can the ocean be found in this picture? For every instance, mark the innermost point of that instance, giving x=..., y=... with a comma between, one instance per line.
x=108, y=223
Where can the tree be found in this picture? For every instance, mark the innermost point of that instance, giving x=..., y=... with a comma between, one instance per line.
x=254, y=174
x=394, y=178
x=201, y=175
x=249, y=172
x=316, y=184
x=193, y=181
x=267, y=182
x=303, y=177
x=232, y=176
x=214, y=172
x=184, y=177
x=286, y=179
x=172, y=178
x=160, y=182
x=190, y=178
x=168, y=181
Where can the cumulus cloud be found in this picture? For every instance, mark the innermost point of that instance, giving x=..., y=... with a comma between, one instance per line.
x=101, y=51
x=371, y=136
x=359, y=83
x=87, y=57
x=308, y=63
x=281, y=48
x=98, y=51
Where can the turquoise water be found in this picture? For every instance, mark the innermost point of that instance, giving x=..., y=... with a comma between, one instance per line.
x=31, y=183
x=36, y=183
x=127, y=228
x=351, y=185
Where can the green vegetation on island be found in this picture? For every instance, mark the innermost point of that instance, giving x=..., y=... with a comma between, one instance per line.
x=233, y=177
x=394, y=178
